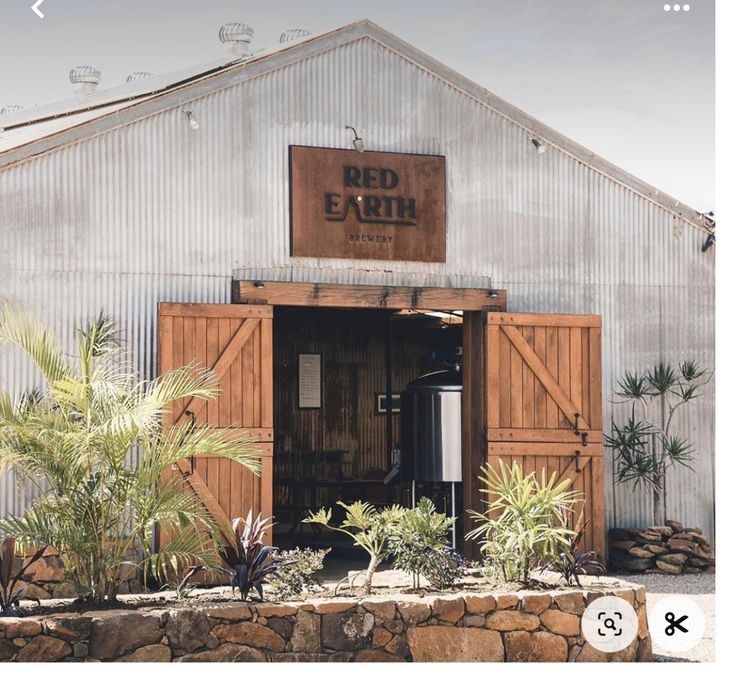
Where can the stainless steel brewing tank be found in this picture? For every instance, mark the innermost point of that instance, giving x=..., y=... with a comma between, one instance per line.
x=431, y=428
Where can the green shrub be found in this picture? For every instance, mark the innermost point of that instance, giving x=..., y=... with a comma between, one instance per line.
x=297, y=573
x=71, y=442
x=418, y=543
x=369, y=528
x=525, y=523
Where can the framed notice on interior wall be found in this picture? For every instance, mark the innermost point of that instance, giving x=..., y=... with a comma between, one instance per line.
x=310, y=381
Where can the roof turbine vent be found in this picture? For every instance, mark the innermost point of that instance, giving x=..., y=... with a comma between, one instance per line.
x=85, y=79
x=138, y=75
x=293, y=34
x=236, y=37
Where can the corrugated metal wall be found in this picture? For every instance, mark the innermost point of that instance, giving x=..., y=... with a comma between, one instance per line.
x=156, y=211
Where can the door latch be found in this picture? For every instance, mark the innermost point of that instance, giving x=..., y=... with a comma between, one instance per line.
x=577, y=425
x=577, y=461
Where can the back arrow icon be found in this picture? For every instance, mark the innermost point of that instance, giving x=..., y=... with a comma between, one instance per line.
x=36, y=6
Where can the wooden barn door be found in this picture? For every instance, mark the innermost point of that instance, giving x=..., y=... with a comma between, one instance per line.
x=234, y=341
x=543, y=403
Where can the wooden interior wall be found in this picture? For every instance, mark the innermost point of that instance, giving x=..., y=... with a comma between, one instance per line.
x=352, y=344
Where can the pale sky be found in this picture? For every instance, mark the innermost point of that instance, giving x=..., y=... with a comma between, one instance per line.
x=624, y=78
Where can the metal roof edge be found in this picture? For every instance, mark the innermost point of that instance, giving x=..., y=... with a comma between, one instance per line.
x=261, y=63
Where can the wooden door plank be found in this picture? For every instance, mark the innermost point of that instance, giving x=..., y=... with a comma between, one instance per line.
x=544, y=449
x=560, y=320
x=492, y=371
x=266, y=372
x=533, y=361
x=596, y=390
x=553, y=411
x=540, y=393
x=225, y=358
x=527, y=382
x=508, y=434
x=576, y=380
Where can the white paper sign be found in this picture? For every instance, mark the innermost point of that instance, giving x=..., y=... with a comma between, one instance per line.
x=310, y=381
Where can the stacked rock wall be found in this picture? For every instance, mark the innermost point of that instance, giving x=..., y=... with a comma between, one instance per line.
x=669, y=549
x=459, y=627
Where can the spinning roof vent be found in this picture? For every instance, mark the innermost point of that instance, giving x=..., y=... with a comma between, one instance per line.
x=293, y=34
x=85, y=79
x=236, y=37
x=138, y=75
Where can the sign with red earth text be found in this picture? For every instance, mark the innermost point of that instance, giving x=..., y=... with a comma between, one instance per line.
x=370, y=205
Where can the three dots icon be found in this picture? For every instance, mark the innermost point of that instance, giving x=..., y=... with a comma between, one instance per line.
x=676, y=8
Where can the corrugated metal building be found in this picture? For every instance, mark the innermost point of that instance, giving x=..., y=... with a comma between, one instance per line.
x=112, y=201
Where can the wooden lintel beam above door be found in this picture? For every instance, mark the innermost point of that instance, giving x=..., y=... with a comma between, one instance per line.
x=380, y=297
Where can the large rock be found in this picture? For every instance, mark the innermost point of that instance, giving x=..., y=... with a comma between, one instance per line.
x=413, y=613
x=7, y=650
x=512, y=620
x=636, y=551
x=187, y=629
x=448, y=644
x=674, y=558
x=349, y=631
x=48, y=568
x=381, y=609
x=44, y=648
x=251, y=634
x=377, y=656
x=675, y=526
x=227, y=652
x=305, y=636
x=572, y=603
x=72, y=628
x=560, y=623
x=449, y=610
x=682, y=546
x=668, y=568
x=13, y=627
x=116, y=633
x=479, y=604
x=545, y=647
x=535, y=604
x=149, y=654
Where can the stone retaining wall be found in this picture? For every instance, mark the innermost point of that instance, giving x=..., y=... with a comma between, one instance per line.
x=543, y=626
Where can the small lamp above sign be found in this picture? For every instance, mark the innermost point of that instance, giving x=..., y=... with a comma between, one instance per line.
x=358, y=143
x=539, y=145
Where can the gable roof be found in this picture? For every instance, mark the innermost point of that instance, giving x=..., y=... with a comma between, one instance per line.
x=33, y=131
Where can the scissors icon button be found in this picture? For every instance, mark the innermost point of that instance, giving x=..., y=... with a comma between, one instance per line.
x=670, y=618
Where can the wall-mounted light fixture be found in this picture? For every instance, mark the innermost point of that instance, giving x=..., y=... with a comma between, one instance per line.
x=358, y=143
x=259, y=284
x=193, y=122
x=539, y=145
x=710, y=240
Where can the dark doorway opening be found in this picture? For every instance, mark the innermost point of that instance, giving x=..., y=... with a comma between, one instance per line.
x=344, y=445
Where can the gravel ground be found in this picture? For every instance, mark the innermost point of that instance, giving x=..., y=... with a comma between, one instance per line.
x=702, y=588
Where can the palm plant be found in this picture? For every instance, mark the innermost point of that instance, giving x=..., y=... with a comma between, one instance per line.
x=369, y=528
x=524, y=525
x=72, y=440
x=644, y=446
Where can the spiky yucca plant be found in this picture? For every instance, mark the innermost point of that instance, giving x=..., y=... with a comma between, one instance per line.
x=71, y=440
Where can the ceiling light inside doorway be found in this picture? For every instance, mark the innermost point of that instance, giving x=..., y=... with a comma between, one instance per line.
x=358, y=143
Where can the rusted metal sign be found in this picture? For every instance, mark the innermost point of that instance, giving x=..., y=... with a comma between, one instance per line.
x=370, y=205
